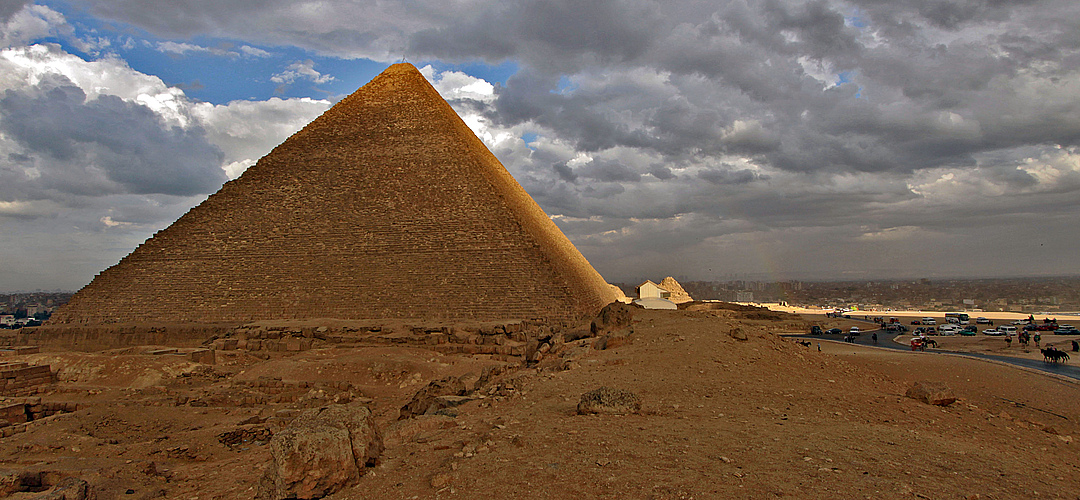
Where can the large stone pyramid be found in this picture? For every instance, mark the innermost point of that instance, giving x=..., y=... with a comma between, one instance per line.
x=386, y=206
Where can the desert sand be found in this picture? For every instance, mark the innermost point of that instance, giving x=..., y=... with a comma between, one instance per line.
x=722, y=417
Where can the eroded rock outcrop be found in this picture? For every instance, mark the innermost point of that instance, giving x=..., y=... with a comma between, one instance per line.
x=322, y=451
x=427, y=400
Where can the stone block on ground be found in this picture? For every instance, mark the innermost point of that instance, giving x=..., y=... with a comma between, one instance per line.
x=609, y=402
x=934, y=393
x=204, y=356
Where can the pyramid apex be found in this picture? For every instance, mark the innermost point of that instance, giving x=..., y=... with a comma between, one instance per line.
x=402, y=67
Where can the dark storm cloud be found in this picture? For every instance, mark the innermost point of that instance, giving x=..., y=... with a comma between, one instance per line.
x=565, y=172
x=560, y=35
x=105, y=145
x=8, y=8
x=688, y=122
x=729, y=176
x=609, y=171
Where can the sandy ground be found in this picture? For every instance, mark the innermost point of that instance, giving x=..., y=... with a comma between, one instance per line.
x=723, y=418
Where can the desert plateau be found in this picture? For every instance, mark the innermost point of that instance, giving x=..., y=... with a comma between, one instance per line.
x=728, y=409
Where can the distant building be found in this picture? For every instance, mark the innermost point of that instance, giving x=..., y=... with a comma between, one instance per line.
x=7, y=319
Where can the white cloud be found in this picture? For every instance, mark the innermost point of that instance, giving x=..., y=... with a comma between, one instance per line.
x=301, y=70
x=33, y=22
x=183, y=49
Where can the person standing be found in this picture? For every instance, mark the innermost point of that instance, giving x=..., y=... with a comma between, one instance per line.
x=1037, y=338
x=874, y=337
x=1008, y=341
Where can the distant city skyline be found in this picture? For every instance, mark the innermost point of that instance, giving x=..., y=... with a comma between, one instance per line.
x=780, y=140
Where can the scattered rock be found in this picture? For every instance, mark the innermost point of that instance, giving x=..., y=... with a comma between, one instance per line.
x=69, y=488
x=609, y=401
x=441, y=480
x=934, y=393
x=408, y=430
x=425, y=402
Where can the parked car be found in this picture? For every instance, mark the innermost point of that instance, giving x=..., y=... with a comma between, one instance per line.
x=815, y=330
x=1067, y=331
x=993, y=331
x=834, y=331
x=982, y=321
x=929, y=321
x=949, y=330
x=1007, y=329
x=854, y=330
x=968, y=333
x=1047, y=327
x=916, y=322
x=931, y=331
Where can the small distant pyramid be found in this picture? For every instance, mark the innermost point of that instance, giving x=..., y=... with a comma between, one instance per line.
x=386, y=206
x=678, y=295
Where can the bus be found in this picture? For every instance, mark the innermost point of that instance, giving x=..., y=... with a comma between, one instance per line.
x=957, y=318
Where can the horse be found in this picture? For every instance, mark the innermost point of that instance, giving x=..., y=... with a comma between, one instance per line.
x=930, y=343
x=1054, y=355
x=803, y=343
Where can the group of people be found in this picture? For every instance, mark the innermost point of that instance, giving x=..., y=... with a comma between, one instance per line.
x=1024, y=337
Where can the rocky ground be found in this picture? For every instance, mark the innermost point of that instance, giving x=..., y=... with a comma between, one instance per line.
x=728, y=410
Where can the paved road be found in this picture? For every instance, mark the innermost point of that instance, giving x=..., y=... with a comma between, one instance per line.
x=885, y=340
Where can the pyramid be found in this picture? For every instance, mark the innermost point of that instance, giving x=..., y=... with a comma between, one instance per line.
x=386, y=206
x=678, y=295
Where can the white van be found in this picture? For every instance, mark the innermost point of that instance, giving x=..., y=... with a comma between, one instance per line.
x=928, y=321
x=1007, y=329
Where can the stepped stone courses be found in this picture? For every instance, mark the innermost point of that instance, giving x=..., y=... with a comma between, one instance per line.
x=386, y=206
x=678, y=294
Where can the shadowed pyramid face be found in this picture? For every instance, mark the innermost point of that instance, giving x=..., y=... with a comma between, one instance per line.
x=386, y=206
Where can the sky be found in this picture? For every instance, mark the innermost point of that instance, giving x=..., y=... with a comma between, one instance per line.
x=706, y=140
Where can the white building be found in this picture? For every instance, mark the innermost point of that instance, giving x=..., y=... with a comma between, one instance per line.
x=652, y=296
x=650, y=290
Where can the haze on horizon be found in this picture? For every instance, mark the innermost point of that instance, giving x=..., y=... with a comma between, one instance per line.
x=768, y=140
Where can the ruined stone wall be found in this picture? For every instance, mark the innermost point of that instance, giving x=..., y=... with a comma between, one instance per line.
x=387, y=206
x=18, y=378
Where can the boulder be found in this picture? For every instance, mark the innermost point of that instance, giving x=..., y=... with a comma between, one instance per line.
x=934, y=393
x=322, y=451
x=609, y=401
x=737, y=333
